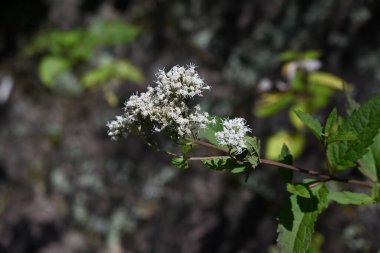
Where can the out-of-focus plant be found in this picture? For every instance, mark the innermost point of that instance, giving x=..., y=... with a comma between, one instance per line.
x=80, y=56
x=350, y=143
x=305, y=88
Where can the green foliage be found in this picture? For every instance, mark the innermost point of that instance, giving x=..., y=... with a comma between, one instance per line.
x=253, y=148
x=351, y=198
x=331, y=122
x=208, y=133
x=77, y=50
x=370, y=162
x=307, y=91
x=300, y=190
x=286, y=158
x=365, y=124
x=270, y=104
x=296, y=221
x=311, y=123
x=51, y=67
x=180, y=162
x=224, y=163
x=294, y=141
x=291, y=55
x=116, y=70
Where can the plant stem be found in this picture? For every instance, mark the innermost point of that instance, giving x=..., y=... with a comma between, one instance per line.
x=206, y=158
x=208, y=145
x=323, y=177
x=318, y=174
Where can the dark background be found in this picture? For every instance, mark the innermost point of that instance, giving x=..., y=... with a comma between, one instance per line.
x=65, y=187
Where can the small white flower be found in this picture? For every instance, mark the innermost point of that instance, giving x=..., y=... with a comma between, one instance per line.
x=118, y=127
x=234, y=131
x=164, y=105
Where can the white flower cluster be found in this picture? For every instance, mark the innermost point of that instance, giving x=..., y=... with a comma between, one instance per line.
x=164, y=107
x=234, y=131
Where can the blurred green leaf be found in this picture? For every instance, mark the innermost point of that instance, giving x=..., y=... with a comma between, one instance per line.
x=326, y=79
x=271, y=103
x=112, y=32
x=116, y=70
x=50, y=67
x=295, y=142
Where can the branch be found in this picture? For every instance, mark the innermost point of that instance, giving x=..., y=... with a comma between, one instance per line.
x=313, y=173
x=318, y=174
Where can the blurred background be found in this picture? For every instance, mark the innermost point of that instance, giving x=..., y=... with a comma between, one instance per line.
x=67, y=66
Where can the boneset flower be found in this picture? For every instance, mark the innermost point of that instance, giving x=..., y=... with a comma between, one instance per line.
x=234, y=131
x=164, y=107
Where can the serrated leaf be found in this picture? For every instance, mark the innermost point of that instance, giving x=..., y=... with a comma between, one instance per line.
x=311, y=123
x=365, y=123
x=351, y=198
x=299, y=190
x=253, y=160
x=253, y=146
x=296, y=222
x=180, y=163
x=342, y=136
x=332, y=121
x=370, y=162
x=208, y=133
x=224, y=163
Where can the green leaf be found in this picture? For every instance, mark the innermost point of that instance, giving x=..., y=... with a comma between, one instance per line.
x=375, y=192
x=271, y=103
x=311, y=123
x=116, y=70
x=370, y=162
x=253, y=145
x=365, y=123
x=342, y=136
x=326, y=79
x=112, y=32
x=238, y=170
x=224, y=163
x=296, y=221
x=253, y=160
x=287, y=158
x=180, y=162
x=50, y=68
x=299, y=190
x=351, y=198
x=331, y=122
x=186, y=147
x=208, y=133
x=295, y=143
